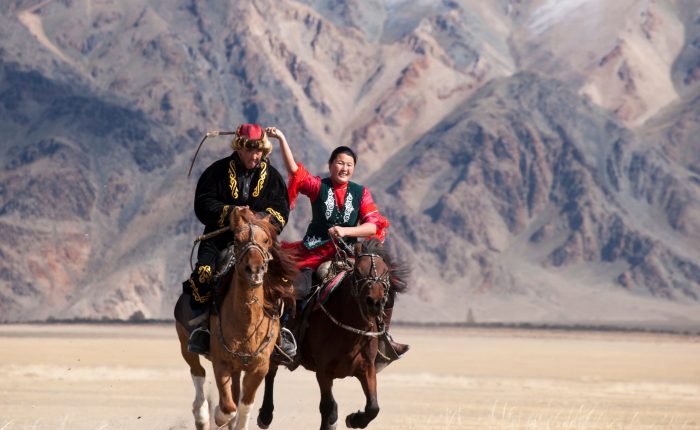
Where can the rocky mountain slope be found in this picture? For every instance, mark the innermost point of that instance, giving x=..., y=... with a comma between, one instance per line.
x=538, y=159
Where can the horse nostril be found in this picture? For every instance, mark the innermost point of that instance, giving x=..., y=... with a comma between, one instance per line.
x=373, y=305
x=248, y=270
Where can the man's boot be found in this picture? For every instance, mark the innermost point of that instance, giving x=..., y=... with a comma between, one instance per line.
x=198, y=342
x=400, y=348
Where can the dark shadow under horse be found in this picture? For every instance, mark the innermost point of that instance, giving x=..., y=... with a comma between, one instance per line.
x=343, y=335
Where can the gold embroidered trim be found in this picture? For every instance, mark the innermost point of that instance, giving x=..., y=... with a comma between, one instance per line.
x=196, y=295
x=232, y=182
x=261, y=181
x=222, y=218
x=277, y=215
x=204, y=273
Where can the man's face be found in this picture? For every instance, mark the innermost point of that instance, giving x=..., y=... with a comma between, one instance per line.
x=250, y=157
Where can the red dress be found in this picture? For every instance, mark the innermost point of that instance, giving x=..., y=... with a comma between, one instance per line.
x=305, y=183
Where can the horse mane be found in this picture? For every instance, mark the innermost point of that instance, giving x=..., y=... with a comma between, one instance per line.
x=399, y=272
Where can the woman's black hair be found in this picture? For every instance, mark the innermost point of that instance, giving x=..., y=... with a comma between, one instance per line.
x=343, y=150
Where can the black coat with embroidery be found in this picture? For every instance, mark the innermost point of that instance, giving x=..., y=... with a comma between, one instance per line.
x=219, y=189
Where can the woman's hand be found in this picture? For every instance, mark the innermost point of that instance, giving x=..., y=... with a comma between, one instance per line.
x=287, y=155
x=337, y=231
x=275, y=132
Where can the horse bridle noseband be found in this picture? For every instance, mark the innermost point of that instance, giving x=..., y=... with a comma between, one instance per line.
x=252, y=244
x=358, y=286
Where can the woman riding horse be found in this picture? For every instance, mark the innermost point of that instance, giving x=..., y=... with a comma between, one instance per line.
x=343, y=335
x=341, y=209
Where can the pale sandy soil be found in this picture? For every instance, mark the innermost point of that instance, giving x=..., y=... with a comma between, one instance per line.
x=132, y=377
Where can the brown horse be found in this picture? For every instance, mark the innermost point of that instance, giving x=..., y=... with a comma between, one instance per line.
x=342, y=336
x=244, y=332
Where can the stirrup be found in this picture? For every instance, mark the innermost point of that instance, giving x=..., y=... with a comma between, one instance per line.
x=198, y=342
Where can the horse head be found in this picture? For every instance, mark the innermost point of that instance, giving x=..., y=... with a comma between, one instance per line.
x=253, y=240
x=372, y=278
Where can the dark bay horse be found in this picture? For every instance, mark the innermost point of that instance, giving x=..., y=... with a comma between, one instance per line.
x=244, y=332
x=342, y=336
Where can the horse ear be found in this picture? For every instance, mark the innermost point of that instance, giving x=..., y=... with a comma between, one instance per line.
x=358, y=248
x=235, y=219
x=267, y=218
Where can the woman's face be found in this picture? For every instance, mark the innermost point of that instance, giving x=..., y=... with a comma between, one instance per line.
x=341, y=168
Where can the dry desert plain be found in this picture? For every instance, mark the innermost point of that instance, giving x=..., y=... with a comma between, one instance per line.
x=132, y=377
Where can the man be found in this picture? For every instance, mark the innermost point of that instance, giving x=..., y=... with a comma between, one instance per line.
x=245, y=178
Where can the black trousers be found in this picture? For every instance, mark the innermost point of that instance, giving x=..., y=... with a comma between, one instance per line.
x=199, y=285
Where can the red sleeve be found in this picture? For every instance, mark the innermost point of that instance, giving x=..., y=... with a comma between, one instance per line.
x=369, y=213
x=302, y=182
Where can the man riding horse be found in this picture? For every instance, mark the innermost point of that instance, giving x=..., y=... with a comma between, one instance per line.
x=244, y=178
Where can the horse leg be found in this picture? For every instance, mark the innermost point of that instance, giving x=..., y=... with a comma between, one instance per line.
x=360, y=419
x=328, y=406
x=225, y=411
x=251, y=382
x=268, y=404
x=200, y=406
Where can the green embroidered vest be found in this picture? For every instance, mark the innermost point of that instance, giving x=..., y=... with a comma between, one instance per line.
x=327, y=214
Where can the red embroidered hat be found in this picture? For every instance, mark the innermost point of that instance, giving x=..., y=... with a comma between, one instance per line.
x=250, y=131
x=252, y=136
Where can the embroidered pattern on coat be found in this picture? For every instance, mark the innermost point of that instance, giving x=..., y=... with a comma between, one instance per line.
x=277, y=215
x=222, y=218
x=348, y=208
x=261, y=181
x=330, y=203
x=198, y=297
x=232, y=182
x=313, y=241
x=204, y=273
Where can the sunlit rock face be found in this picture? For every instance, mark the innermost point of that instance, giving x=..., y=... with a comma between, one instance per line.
x=538, y=160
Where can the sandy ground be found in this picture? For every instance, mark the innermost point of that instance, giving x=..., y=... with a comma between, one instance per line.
x=132, y=377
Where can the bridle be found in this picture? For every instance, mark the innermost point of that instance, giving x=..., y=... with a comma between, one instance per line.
x=248, y=246
x=360, y=284
x=251, y=244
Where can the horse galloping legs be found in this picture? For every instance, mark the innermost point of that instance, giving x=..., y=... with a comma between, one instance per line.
x=200, y=406
x=251, y=382
x=360, y=419
x=328, y=407
x=265, y=413
x=236, y=413
x=226, y=382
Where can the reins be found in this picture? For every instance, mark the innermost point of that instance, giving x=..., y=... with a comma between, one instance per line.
x=252, y=244
x=246, y=357
x=343, y=251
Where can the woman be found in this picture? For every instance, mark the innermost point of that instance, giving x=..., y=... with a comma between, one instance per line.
x=341, y=209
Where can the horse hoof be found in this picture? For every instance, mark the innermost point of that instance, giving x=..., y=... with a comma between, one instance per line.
x=354, y=425
x=221, y=419
x=262, y=424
